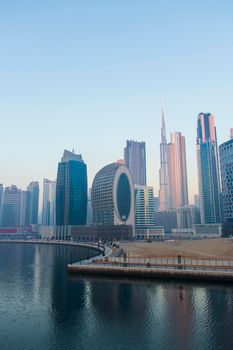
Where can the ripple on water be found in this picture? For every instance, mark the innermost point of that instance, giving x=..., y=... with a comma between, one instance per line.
x=43, y=308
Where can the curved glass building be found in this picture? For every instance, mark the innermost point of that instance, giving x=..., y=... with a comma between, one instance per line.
x=113, y=196
x=71, y=190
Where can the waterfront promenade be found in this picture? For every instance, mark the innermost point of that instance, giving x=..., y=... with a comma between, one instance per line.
x=208, y=270
x=168, y=267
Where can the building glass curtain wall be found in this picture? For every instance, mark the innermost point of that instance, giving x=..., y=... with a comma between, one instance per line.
x=113, y=196
x=33, y=202
x=226, y=164
x=49, y=203
x=135, y=160
x=177, y=171
x=144, y=207
x=11, y=206
x=71, y=190
x=1, y=198
x=208, y=169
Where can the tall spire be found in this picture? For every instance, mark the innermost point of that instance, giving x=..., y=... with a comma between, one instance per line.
x=163, y=129
x=163, y=172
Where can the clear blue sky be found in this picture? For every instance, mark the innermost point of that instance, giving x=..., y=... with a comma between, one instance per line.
x=91, y=74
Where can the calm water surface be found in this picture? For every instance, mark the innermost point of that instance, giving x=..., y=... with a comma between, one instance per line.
x=41, y=307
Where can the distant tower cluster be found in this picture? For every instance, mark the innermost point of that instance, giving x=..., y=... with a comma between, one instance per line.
x=19, y=208
x=120, y=203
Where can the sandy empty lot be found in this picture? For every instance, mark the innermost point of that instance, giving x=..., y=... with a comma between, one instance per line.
x=208, y=248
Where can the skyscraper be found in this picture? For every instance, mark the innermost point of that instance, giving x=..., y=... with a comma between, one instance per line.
x=25, y=201
x=71, y=190
x=11, y=206
x=208, y=169
x=113, y=196
x=49, y=203
x=1, y=198
x=135, y=160
x=33, y=202
x=177, y=171
x=144, y=206
x=226, y=165
x=163, y=172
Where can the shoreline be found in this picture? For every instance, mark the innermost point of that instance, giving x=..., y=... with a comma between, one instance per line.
x=63, y=243
x=148, y=273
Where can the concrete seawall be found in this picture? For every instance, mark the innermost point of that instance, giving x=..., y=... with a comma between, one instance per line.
x=172, y=274
x=97, y=249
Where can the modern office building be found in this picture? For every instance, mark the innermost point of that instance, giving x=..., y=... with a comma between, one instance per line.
x=156, y=204
x=71, y=190
x=177, y=171
x=164, y=197
x=144, y=206
x=135, y=160
x=167, y=220
x=49, y=203
x=1, y=198
x=226, y=166
x=11, y=206
x=33, y=202
x=89, y=209
x=24, y=218
x=113, y=196
x=186, y=216
x=196, y=201
x=208, y=169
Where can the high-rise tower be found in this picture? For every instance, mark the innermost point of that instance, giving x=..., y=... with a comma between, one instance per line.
x=1, y=197
x=163, y=172
x=113, y=196
x=33, y=202
x=49, y=203
x=11, y=206
x=71, y=190
x=135, y=160
x=208, y=169
x=226, y=163
x=177, y=171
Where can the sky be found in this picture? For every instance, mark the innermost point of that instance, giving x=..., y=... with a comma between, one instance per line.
x=91, y=74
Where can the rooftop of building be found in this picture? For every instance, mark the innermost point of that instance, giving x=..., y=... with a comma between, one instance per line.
x=67, y=156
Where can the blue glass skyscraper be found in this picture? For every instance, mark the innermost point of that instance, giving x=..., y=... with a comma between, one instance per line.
x=208, y=169
x=226, y=163
x=71, y=190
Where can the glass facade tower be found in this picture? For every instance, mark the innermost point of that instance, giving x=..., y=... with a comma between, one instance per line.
x=71, y=190
x=226, y=163
x=135, y=160
x=113, y=196
x=33, y=202
x=49, y=201
x=208, y=169
x=11, y=206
